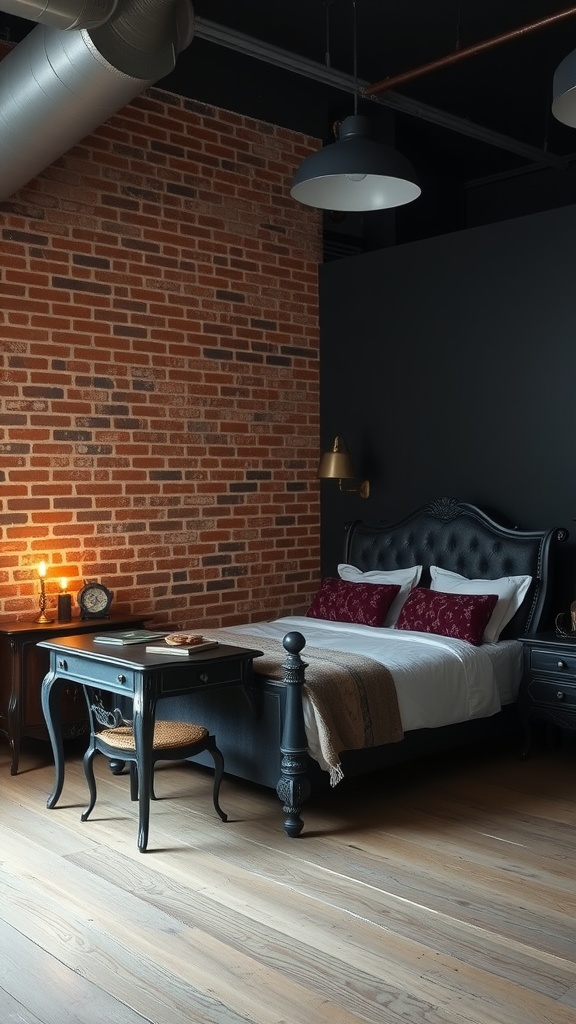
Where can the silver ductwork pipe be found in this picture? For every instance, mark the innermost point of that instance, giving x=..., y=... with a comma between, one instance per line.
x=60, y=83
x=65, y=15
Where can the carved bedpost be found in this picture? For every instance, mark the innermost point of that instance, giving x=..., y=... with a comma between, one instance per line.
x=294, y=786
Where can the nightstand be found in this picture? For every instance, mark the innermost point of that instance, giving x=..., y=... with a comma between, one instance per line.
x=548, y=687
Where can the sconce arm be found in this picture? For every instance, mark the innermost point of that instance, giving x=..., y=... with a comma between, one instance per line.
x=363, y=489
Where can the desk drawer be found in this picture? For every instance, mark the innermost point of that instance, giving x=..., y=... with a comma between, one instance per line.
x=549, y=661
x=548, y=691
x=70, y=666
x=206, y=674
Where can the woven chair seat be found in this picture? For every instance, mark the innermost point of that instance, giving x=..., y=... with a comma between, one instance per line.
x=172, y=741
x=167, y=735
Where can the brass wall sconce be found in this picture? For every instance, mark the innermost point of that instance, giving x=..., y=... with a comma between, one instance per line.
x=337, y=465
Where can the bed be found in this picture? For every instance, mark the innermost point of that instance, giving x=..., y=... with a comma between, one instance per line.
x=449, y=688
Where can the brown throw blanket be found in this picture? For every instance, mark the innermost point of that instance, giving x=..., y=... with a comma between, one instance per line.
x=353, y=698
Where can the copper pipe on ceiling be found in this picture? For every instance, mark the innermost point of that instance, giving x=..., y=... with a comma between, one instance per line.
x=469, y=51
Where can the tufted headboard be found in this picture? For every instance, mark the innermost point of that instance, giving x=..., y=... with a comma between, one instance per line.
x=464, y=539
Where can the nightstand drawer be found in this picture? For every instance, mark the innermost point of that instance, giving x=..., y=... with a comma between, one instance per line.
x=548, y=691
x=550, y=661
x=203, y=674
x=71, y=666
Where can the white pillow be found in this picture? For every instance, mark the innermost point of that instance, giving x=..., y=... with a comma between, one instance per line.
x=406, y=579
x=511, y=591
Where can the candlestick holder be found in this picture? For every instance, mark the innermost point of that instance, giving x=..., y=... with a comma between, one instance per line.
x=42, y=617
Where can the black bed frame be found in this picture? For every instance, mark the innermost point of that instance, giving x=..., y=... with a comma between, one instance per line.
x=464, y=539
x=266, y=742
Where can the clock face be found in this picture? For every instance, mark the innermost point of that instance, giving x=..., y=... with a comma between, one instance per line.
x=94, y=599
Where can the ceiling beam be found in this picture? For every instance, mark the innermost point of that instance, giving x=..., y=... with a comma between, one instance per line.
x=211, y=32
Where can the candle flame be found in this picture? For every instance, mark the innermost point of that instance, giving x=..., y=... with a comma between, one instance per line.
x=42, y=569
x=63, y=584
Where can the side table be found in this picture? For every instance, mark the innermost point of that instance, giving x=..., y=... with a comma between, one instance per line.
x=144, y=679
x=548, y=687
x=23, y=666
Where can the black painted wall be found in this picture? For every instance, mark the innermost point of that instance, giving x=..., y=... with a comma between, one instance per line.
x=449, y=365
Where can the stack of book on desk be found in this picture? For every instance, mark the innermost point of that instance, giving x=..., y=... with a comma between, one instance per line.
x=199, y=643
x=170, y=644
x=130, y=636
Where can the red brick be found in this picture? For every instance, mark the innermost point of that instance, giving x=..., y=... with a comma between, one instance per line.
x=177, y=400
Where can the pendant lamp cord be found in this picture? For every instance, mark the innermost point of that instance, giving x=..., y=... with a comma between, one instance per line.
x=355, y=39
x=458, y=20
x=327, y=5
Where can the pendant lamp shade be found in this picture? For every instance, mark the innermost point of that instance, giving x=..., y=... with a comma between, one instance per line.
x=564, y=91
x=355, y=173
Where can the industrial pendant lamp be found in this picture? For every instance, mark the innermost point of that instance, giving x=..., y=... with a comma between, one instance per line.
x=357, y=172
x=564, y=91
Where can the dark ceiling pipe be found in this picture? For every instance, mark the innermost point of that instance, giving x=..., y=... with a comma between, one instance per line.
x=469, y=51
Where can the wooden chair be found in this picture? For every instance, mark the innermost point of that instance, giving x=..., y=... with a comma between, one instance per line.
x=112, y=736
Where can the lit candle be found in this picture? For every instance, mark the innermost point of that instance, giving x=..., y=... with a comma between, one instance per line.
x=42, y=617
x=63, y=584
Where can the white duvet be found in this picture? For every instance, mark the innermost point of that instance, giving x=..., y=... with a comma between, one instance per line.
x=439, y=681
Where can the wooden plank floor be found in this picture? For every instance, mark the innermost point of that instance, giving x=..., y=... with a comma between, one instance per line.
x=441, y=893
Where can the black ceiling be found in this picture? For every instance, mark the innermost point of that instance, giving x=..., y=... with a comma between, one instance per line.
x=505, y=90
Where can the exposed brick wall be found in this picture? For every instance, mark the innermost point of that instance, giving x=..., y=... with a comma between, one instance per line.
x=159, y=426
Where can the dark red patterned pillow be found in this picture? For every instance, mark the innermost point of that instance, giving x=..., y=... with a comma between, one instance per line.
x=365, y=603
x=463, y=616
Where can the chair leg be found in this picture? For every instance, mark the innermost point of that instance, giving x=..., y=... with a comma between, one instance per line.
x=89, y=773
x=133, y=780
x=218, y=772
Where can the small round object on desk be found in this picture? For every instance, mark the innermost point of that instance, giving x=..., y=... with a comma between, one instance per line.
x=94, y=600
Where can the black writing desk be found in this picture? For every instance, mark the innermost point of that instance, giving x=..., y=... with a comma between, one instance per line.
x=144, y=678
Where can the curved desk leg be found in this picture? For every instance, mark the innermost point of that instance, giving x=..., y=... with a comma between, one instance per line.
x=143, y=728
x=51, y=685
x=294, y=785
x=13, y=733
x=15, y=756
